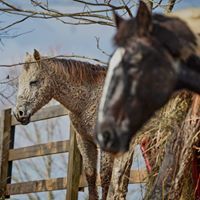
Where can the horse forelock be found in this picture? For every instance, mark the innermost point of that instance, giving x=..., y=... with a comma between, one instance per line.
x=126, y=30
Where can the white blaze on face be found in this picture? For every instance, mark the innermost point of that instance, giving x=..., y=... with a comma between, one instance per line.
x=114, y=62
x=176, y=66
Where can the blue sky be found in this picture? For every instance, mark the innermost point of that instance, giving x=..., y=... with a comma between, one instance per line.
x=51, y=34
x=53, y=37
x=65, y=39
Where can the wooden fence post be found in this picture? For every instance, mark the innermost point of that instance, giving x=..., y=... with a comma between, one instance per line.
x=74, y=168
x=5, y=144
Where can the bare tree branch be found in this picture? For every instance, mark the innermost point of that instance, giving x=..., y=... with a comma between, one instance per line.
x=100, y=49
x=59, y=56
x=43, y=11
x=157, y=5
x=170, y=6
x=14, y=23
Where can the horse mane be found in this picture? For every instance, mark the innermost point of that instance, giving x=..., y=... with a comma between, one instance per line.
x=78, y=71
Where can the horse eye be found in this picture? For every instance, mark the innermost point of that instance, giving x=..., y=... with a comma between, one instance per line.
x=33, y=83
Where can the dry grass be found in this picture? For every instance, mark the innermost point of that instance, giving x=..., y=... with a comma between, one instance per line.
x=158, y=131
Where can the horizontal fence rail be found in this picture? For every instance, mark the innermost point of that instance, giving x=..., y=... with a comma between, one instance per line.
x=74, y=181
x=39, y=150
x=36, y=186
x=136, y=176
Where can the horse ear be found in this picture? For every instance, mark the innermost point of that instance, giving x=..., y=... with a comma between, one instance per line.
x=117, y=19
x=143, y=19
x=36, y=55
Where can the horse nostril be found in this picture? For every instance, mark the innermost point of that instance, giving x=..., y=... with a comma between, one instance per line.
x=106, y=137
x=21, y=113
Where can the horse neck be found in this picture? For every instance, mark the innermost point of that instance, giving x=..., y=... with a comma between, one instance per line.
x=76, y=97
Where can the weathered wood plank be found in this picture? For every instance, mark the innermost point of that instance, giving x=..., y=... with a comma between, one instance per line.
x=39, y=186
x=45, y=113
x=136, y=176
x=74, y=167
x=5, y=143
x=39, y=150
x=61, y=183
x=36, y=186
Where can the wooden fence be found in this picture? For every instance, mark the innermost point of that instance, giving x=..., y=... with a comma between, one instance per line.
x=74, y=180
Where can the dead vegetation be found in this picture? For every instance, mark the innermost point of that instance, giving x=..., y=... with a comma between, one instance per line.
x=172, y=141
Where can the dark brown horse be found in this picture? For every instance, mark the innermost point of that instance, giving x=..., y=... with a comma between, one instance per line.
x=157, y=55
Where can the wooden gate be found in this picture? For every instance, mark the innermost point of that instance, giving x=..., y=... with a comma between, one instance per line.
x=74, y=180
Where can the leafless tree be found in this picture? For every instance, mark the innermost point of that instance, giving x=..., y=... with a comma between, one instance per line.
x=85, y=13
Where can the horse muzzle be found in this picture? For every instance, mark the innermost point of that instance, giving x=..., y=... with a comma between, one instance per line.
x=111, y=139
x=22, y=116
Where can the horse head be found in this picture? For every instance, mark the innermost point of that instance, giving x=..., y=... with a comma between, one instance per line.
x=35, y=87
x=143, y=72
